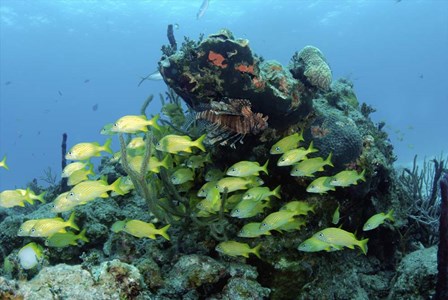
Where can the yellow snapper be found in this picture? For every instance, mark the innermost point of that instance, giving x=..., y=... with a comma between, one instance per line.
x=336, y=216
x=126, y=185
x=310, y=166
x=206, y=187
x=213, y=175
x=136, y=143
x=233, y=248
x=61, y=240
x=30, y=255
x=247, y=168
x=11, y=198
x=295, y=155
x=26, y=227
x=141, y=229
x=89, y=190
x=294, y=225
x=277, y=219
x=208, y=206
x=320, y=185
x=84, y=151
x=118, y=226
x=252, y=230
x=73, y=167
x=198, y=161
x=107, y=129
x=62, y=204
x=248, y=208
x=29, y=193
x=238, y=183
x=347, y=177
x=299, y=207
x=182, y=175
x=80, y=176
x=314, y=245
x=175, y=143
x=261, y=193
x=378, y=219
x=134, y=124
x=340, y=237
x=287, y=143
x=3, y=163
x=48, y=227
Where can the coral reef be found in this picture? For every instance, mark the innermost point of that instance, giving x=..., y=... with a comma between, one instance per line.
x=199, y=197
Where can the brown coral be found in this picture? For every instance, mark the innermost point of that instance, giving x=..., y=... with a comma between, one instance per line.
x=310, y=66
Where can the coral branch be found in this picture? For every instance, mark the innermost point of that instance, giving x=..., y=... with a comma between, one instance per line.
x=442, y=253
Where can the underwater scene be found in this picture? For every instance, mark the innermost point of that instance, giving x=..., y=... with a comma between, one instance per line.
x=223, y=149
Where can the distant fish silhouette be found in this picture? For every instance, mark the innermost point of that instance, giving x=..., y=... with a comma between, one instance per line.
x=87, y=81
x=202, y=9
x=155, y=76
x=421, y=76
x=8, y=82
x=95, y=107
x=60, y=93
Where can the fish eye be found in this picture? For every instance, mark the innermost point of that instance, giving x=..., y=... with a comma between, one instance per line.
x=264, y=224
x=237, y=210
x=282, y=159
x=321, y=234
x=71, y=194
x=277, y=148
x=115, y=125
x=21, y=230
x=33, y=230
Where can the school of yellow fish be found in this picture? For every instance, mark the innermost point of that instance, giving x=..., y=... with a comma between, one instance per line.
x=238, y=191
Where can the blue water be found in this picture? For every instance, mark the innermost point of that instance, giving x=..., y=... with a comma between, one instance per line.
x=60, y=58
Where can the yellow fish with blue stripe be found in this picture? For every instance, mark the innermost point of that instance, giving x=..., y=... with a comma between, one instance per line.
x=142, y=229
x=320, y=185
x=11, y=198
x=260, y=193
x=340, y=237
x=134, y=124
x=314, y=245
x=182, y=175
x=84, y=151
x=89, y=190
x=378, y=219
x=247, y=168
x=238, y=183
x=3, y=163
x=347, y=177
x=308, y=167
x=287, y=143
x=62, y=240
x=48, y=227
x=252, y=230
x=277, y=219
x=295, y=155
x=175, y=143
x=73, y=167
x=234, y=248
x=300, y=207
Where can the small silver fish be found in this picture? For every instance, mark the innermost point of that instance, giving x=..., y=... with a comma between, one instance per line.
x=202, y=9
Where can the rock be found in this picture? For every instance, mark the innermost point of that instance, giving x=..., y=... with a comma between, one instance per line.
x=416, y=275
x=192, y=272
x=223, y=67
x=110, y=280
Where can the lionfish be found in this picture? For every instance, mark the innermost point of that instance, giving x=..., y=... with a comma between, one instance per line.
x=229, y=121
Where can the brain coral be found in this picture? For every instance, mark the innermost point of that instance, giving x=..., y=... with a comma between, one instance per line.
x=333, y=132
x=310, y=66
